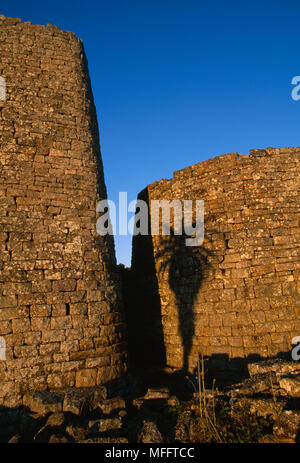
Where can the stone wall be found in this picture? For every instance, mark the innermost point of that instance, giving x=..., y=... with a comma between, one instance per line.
x=237, y=295
x=60, y=312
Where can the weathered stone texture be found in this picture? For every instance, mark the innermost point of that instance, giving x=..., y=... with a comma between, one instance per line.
x=238, y=293
x=60, y=310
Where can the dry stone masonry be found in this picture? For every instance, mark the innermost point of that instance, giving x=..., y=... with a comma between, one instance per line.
x=237, y=295
x=60, y=303
x=62, y=324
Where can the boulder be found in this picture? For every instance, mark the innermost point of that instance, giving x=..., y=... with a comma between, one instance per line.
x=291, y=384
x=150, y=433
x=278, y=366
x=44, y=402
x=109, y=405
x=157, y=393
x=261, y=407
x=104, y=440
x=15, y=439
x=105, y=424
x=183, y=426
x=259, y=383
x=288, y=425
x=74, y=401
x=58, y=439
x=77, y=432
x=97, y=396
x=138, y=402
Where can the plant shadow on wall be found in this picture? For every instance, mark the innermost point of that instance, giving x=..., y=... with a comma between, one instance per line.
x=183, y=268
x=178, y=268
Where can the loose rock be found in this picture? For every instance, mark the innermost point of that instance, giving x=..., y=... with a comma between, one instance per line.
x=150, y=433
x=44, y=402
x=288, y=425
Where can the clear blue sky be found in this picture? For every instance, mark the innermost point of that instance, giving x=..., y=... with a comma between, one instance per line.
x=179, y=81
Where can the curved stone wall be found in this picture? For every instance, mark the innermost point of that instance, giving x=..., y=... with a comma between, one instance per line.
x=237, y=295
x=60, y=315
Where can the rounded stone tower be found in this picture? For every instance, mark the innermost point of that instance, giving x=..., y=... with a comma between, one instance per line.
x=236, y=295
x=61, y=321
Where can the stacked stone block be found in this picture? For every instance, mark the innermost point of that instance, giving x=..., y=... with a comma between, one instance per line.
x=60, y=303
x=237, y=295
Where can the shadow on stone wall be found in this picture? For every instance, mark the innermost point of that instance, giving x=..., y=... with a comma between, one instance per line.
x=228, y=371
x=184, y=268
x=143, y=313
x=221, y=372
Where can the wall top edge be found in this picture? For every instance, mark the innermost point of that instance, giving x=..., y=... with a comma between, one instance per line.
x=228, y=159
x=17, y=22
